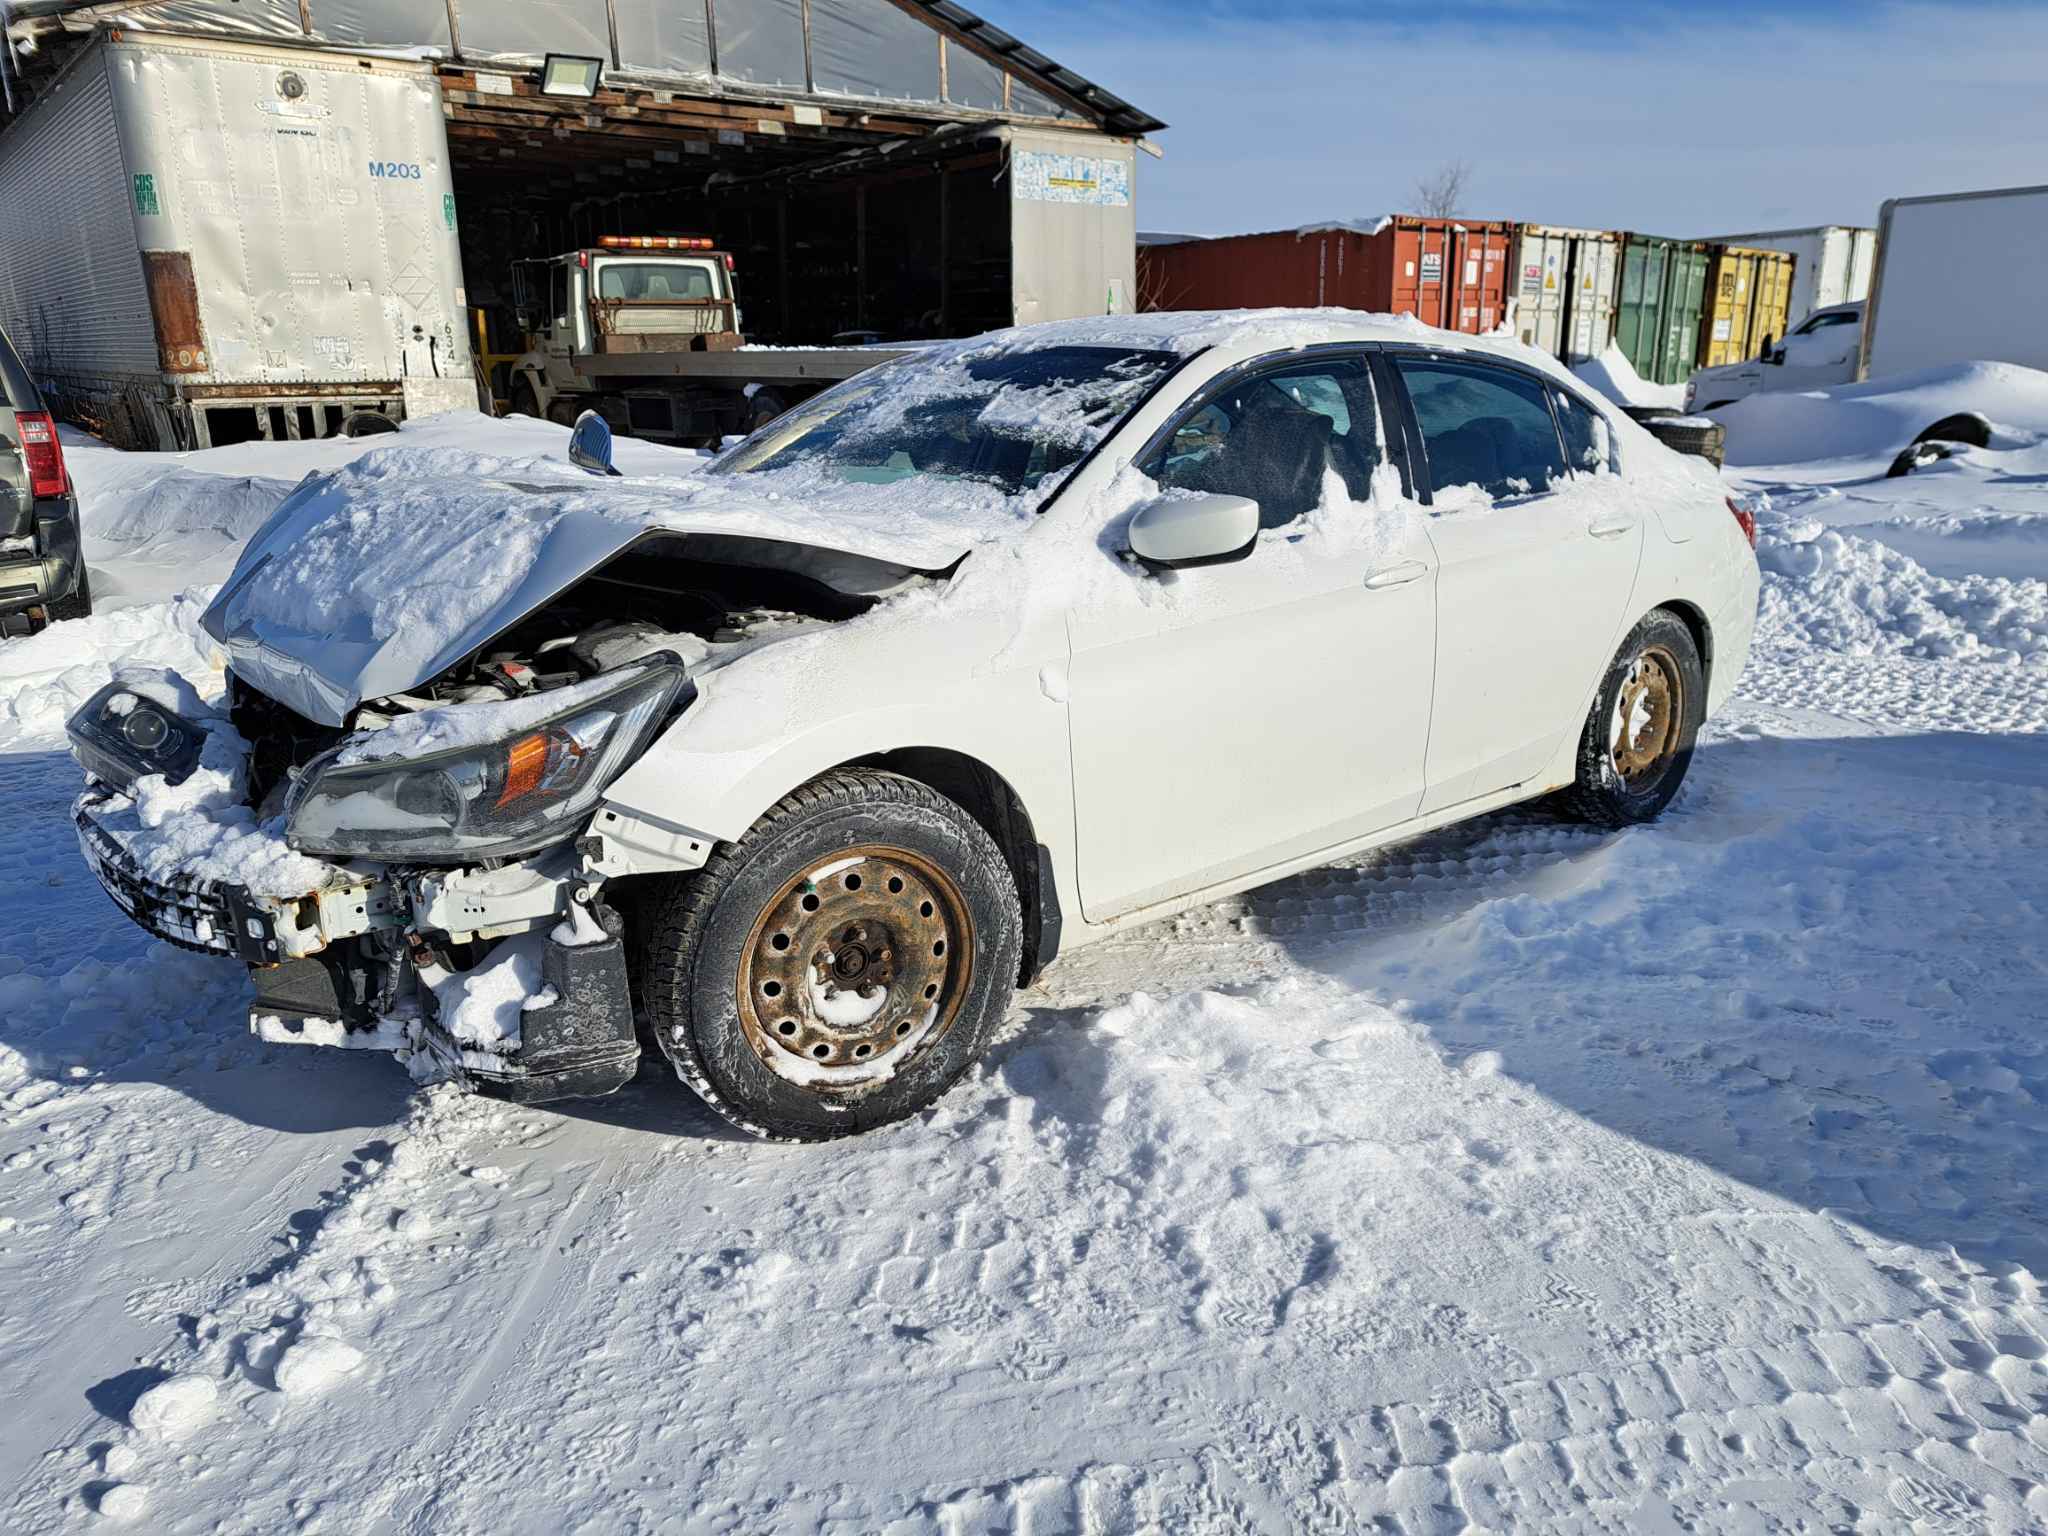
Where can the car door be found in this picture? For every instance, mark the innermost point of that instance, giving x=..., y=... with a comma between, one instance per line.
x=1535, y=571
x=1228, y=718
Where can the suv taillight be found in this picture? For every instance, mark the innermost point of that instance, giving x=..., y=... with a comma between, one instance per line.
x=43, y=453
x=1744, y=518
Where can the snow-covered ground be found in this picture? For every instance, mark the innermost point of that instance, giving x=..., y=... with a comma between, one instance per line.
x=1525, y=1177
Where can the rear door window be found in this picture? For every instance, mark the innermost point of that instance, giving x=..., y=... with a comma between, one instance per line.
x=1275, y=437
x=1587, y=450
x=1483, y=426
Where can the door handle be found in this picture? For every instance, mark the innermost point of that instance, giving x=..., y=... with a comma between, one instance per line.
x=1611, y=527
x=1397, y=575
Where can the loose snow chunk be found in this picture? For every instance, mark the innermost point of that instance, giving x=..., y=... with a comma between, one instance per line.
x=315, y=1362
x=124, y=1501
x=482, y=1007
x=174, y=1408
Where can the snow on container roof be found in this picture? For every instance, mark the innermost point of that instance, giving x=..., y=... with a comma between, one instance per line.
x=924, y=51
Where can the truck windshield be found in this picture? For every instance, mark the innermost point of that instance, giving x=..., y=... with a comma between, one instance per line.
x=656, y=282
x=1008, y=417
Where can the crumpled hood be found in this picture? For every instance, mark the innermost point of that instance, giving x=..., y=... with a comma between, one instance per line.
x=370, y=581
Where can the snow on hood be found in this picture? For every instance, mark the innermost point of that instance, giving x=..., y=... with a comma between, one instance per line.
x=371, y=580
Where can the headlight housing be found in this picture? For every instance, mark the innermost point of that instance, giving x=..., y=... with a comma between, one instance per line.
x=121, y=734
x=522, y=790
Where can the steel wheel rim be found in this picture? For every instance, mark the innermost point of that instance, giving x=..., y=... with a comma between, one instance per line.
x=1643, y=731
x=855, y=966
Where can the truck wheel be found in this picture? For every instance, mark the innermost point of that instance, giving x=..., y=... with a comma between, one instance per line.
x=522, y=401
x=1678, y=433
x=842, y=965
x=1639, y=735
x=764, y=408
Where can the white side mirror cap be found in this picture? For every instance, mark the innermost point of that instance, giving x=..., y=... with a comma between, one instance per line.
x=1176, y=531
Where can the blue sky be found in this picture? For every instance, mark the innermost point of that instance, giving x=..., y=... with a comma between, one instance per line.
x=1704, y=118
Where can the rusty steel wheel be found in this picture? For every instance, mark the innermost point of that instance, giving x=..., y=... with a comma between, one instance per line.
x=1648, y=711
x=855, y=966
x=842, y=964
x=1639, y=733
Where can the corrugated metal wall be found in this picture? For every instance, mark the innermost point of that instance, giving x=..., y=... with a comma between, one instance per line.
x=72, y=294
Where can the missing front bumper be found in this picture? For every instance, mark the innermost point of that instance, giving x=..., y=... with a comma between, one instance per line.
x=580, y=1043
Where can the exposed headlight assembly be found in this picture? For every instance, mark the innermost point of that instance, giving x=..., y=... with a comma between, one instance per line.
x=120, y=735
x=508, y=796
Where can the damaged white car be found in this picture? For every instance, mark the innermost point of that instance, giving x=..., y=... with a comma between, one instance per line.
x=793, y=771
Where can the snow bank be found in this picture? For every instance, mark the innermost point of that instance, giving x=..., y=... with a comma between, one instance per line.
x=1874, y=420
x=1614, y=376
x=1833, y=591
x=314, y=1362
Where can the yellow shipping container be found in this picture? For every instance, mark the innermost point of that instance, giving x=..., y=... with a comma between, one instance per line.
x=1749, y=299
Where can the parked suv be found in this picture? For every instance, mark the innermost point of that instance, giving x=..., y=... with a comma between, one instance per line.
x=42, y=568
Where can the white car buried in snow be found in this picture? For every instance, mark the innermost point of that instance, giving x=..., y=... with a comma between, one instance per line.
x=801, y=766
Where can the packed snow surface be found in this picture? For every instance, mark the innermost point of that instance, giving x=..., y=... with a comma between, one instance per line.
x=1526, y=1177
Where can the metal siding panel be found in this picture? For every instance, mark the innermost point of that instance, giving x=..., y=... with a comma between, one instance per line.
x=1596, y=271
x=72, y=294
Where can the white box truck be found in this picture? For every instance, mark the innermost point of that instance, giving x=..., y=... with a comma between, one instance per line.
x=1961, y=277
x=212, y=240
x=1834, y=263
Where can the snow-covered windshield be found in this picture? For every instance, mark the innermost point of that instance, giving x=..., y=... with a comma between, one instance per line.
x=998, y=414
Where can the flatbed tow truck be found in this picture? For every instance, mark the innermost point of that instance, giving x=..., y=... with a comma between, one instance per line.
x=645, y=330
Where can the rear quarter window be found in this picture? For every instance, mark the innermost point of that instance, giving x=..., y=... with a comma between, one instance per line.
x=17, y=389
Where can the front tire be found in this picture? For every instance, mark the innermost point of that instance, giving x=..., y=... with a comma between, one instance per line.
x=842, y=965
x=1639, y=736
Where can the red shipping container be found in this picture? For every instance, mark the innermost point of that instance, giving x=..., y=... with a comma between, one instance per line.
x=1451, y=273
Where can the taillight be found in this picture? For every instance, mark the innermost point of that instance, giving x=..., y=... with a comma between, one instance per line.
x=45, y=455
x=1744, y=518
x=729, y=263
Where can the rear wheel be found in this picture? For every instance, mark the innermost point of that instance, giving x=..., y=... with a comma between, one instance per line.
x=1639, y=736
x=842, y=965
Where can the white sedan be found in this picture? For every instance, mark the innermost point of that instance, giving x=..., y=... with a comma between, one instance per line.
x=792, y=771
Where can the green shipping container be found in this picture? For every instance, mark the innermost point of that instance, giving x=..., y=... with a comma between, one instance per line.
x=1663, y=291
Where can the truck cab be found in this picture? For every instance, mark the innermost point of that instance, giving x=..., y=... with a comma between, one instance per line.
x=1821, y=350
x=588, y=313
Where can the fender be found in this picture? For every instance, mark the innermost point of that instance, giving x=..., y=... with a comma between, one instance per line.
x=778, y=718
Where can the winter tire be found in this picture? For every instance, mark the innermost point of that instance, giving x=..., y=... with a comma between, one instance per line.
x=1682, y=435
x=1639, y=735
x=842, y=965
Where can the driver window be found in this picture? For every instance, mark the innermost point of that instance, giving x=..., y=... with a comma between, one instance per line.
x=1275, y=437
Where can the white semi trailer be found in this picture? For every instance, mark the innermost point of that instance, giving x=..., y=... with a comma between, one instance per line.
x=209, y=240
x=1961, y=277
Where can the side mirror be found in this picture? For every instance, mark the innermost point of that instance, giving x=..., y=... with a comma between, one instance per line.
x=590, y=444
x=1181, y=531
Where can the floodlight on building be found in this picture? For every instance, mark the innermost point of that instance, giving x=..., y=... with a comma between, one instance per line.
x=569, y=74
